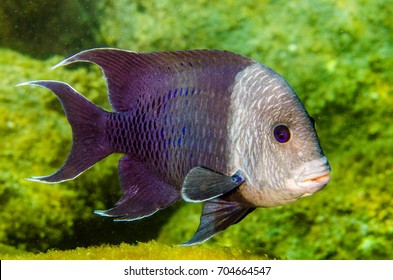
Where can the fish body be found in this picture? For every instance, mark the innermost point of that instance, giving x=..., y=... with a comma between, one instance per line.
x=204, y=125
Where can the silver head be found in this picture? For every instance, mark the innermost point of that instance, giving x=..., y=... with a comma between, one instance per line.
x=274, y=140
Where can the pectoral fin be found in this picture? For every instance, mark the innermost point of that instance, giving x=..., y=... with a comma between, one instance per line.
x=217, y=215
x=203, y=184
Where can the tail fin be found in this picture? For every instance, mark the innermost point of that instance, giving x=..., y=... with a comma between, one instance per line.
x=89, y=144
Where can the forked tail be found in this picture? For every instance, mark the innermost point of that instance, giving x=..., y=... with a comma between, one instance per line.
x=89, y=144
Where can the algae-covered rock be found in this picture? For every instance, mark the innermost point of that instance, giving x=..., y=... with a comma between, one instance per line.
x=142, y=251
x=42, y=28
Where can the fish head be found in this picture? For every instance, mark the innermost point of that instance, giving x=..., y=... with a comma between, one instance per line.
x=280, y=152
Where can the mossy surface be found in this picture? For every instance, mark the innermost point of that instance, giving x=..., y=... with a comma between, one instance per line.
x=42, y=28
x=142, y=251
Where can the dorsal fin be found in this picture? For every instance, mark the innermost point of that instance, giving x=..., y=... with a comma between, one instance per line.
x=131, y=75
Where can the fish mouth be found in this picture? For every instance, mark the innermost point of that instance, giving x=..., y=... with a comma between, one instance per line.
x=312, y=176
x=314, y=184
x=323, y=180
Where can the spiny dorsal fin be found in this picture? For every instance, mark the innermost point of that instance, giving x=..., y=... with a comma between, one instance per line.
x=203, y=184
x=131, y=75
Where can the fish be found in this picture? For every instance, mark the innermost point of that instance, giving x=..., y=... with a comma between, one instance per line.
x=203, y=126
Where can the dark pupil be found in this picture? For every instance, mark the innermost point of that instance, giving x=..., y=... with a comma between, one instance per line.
x=281, y=133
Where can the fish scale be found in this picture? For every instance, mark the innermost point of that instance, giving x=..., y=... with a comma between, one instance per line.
x=176, y=139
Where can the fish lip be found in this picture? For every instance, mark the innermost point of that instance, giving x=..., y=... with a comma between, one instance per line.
x=315, y=181
x=312, y=176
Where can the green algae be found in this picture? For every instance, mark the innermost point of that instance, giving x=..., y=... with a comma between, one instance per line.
x=33, y=27
x=142, y=251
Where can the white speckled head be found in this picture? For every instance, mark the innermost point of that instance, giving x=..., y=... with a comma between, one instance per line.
x=274, y=140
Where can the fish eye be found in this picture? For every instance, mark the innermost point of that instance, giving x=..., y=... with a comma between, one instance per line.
x=281, y=133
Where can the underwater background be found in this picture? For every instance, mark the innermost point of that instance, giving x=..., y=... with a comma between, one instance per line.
x=336, y=54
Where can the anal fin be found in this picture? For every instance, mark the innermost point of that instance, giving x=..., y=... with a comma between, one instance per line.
x=143, y=192
x=217, y=215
